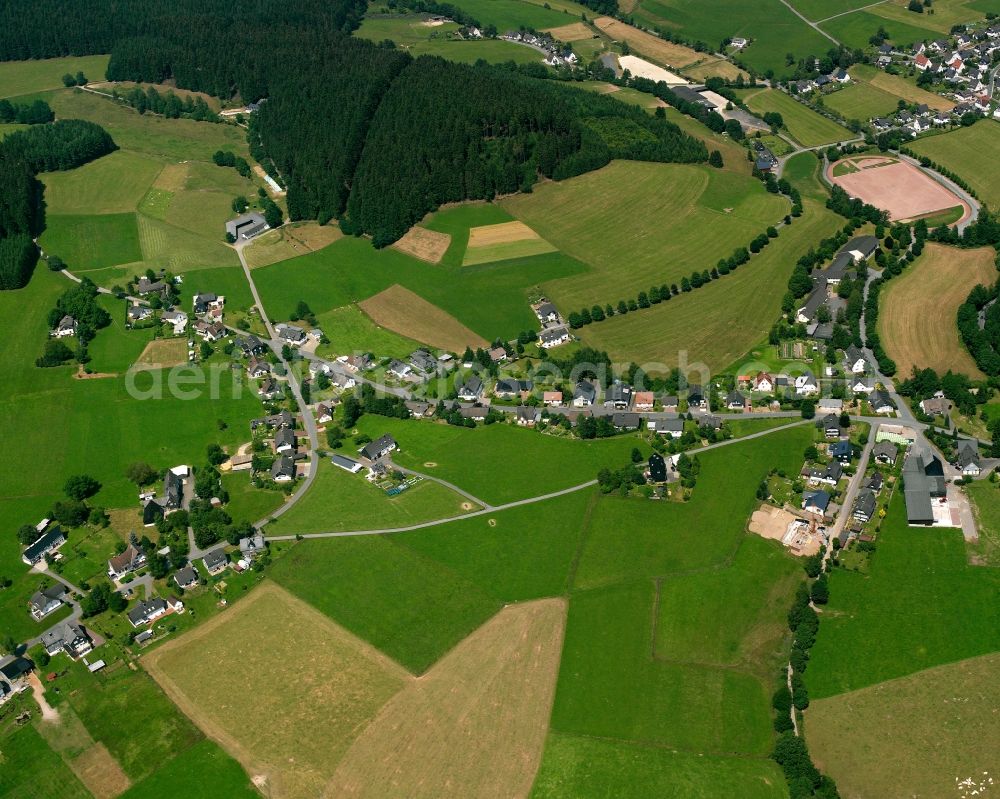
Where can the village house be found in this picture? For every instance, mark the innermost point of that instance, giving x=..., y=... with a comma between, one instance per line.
x=830, y=405
x=283, y=469
x=176, y=319
x=695, y=396
x=874, y=482
x=618, y=395
x=424, y=361
x=270, y=389
x=967, y=459
x=399, y=370
x=46, y=601
x=526, y=416
x=209, y=331
x=854, y=360
x=735, y=401
x=419, y=409
x=830, y=425
x=146, y=286
x=126, y=562
x=553, y=337
x=69, y=638
x=829, y=474
x=885, y=453
x=498, y=354
x=816, y=502
x=215, y=561
x=881, y=402
x=246, y=226
x=282, y=419
x=626, y=421
x=470, y=389
x=146, y=611
x=805, y=385
x=674, y=428
x=646, y=401
x=477, y=414
x=251, y=346
x=547, y=313
x=508, y=387
x=284, y=441
x=65, y=328
x=936, y=406
x=864, y=506
x=46, y=542
x=762, y=382
x=138, y=313
x=208, y=303
x=292, y=335
x=324, y=413
x=842, y=451
x=584, y=394
x=256, y=368
x=186, y=577
x=552, y=398
x=252, y=546
x=379, y=448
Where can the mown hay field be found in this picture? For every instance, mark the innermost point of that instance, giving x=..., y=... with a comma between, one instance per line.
x=700, y=324
x=917, y=315
x=639, y=225
x=27, y=77
x=299, y=238
x=937, y=727
x=964, y=151
x=427, y=245
x=502, y=242
x=400, y=310
x=804, y=125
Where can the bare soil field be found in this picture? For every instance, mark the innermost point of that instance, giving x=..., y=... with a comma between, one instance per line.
x=770, y=522
x=162, y=353
x=574, y=32
x=290, y=241
x=474, y=725
x=427, y=245
x=937, y=728
x=917, y=319
x=273, y=656
x=404, y=312
x=899, y=188
x=674, y=55
x=100, y=772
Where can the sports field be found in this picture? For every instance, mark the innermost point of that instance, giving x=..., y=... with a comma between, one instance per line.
x=400, y=310
x=964, y=151
x=336, y=682
x=917, y=318
x=920, y=605
x=937, y=727
x=635, y=234
x=700, y=324
x=804, y=125
x=902, y=189
x=474, y=725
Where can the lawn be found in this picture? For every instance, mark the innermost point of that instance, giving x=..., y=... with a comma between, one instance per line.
x=337, y=682
x=351, y=331
x=247, y=503
x=14, y=617
x=773, y=27
x=986, y=503
x=639, y=225
x=28, y=77
x=475, y=459
x=697, y=328
x=591, y=768
x=492, y=299
x=92, y=242
x=963, y=152
x=921, y=605
x=931, y=290
x=936, y=726
x=202, y=770
x=803, y=124
x=342, y=501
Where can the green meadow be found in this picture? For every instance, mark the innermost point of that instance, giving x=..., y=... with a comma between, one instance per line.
x=201, y=770
x=27, y=77
x=803, y=124
x=920, y=605
x=350, y=330
x=92, y=242
x=855, y=29
x=961, y=151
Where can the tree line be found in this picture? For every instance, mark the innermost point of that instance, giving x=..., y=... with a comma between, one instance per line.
x=41, y=148
x=168, y=105
x=35, y=113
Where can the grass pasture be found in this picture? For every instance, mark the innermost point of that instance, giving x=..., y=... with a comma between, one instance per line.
x=855, y=29
x=503, y=242
x=298, y=238
x=899, y=87
x=986, y=504
x=408, y=314
x=28, y=77
x=926, y=297
x=113, y=184
x=474, y=725
x=802, y=123
x=861, y=101
x=202, y=770
x=947, y=13
x=351, y=331
x=936, y=727
x=634, y=233
x=93, y=241
x=337, y=682
x=963, y=152
x=163, y=354
x=700, y=323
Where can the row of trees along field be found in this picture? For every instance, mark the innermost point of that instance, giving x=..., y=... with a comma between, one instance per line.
x=43, y=148
x=356, y=131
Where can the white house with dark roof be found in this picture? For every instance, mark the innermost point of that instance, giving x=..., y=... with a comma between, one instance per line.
x=126, y=562
x=215, y=561
x=69, y=638
x=46, y=601
x=66, y=327
x=379, y=448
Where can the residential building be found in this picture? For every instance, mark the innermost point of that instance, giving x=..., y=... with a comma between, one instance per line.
x=470, y=389
x=186, y=577
x=816, y=502
x=553, y=337
x=830, y=425
x=936, y=406
x=69, y=638
x=854, y=360
x=399, y=369
x=283, y=469
x=419, y=409
x=290, y=334
x=284, y=441
x=881, y=402
x=176, y=319
x=551, y=398
x=424, y=361
x=626, y=421
x=526, y=416
x=47, y=542
x=618, y=395
x=735, y=401
x=252, y=546
x=379, y=448
x=967, y=458
x=864, y=505
x=669, y=427
x=146, y=611
x=584, y=394
x=126, y=562
x=842, y=450
x=645, y=401
x=215, y=561
x=46, y=601
x=206, y=303
x=884, y=452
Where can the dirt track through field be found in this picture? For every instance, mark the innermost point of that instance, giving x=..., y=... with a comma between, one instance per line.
x=400, y=310
x=474, y=725
x=917, y=318
x=899, y=188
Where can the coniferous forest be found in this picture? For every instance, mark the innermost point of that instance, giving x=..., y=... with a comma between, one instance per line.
x=355, y=131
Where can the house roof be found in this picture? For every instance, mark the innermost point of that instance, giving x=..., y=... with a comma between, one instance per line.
x=215, y=558
x=44, y=542
x=283, y=467
x=818, y=499
x=345, y=462
x=838, y=448
x=967, y=452
x=470, y=385
x=585, y=390
x=526, y=413
x=625, y=420
x=865, y=503
x=884, y=449
x=879, y=399
x=187, y=575
x=734, y=398
x=146, y=608
x=14, y=667
x=374, y=449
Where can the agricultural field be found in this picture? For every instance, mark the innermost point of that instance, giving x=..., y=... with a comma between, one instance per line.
x=855, y=29
x=920, y=605
x=773, y=27
x=203, y=767
x=822, y=9
x=937, y=727
x=962, y=151
x=342, y=501
x=86, y=243
x=899, y=87
x=699, y=324
x=351, y=331
x=408, y=314
x=514, y=14
x=947, y=13
x=641, y=235
x=861, y=101
x=930, y=291
x=502, y=242
x=803, y=124
x=986, y=504
x=298, y=238
x=427, y=245
x=491, y=299
x=417, y=35
x=29, y=77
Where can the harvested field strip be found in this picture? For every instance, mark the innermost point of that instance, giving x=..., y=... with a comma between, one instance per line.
x=100, y=772
x=674, y=55
x=574, y=32
x=300, y=238
x=488, y=235
x=335, y=684
x=400, y=310
x=917, y=319
x=506, y=251
x=162, y=354
x=474, y=725
x=937, y=727
x=427, y=245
